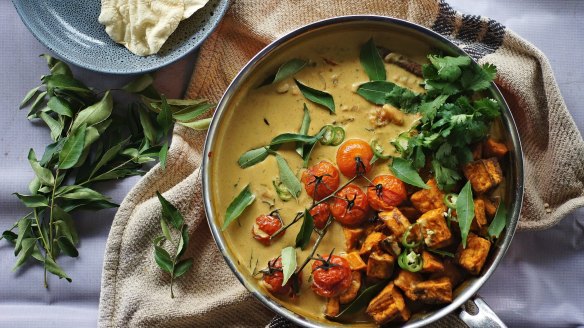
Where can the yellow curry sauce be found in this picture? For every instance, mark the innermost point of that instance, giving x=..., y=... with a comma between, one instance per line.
x=259, y=114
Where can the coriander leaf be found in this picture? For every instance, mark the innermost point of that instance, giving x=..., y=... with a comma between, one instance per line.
x=28, y=97
x=304, y=126
x=182, y=267
x=303, y=237
x=372, y=62
x=237, y=206
x=289, y=68
x=465, y=211
x=139, y=84
x=404, y=171
x=170, y=213
x=163, y=259
x=60, y=106
x=253, y=157
x=45, y=175
x=499, y=221
x=55, y=269
x=33, y=200
x=446, y=177
x=360, y=302
x=67, y=246
x=317, y=96
x=288, y=177
x=288, y=255
x=429, y=109
x=96, y=113
x=73, y=148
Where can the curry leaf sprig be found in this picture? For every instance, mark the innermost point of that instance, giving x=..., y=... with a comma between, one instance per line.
x=91, y=143
x=172, y=221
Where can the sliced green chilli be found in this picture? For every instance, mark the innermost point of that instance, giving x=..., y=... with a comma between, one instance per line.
x=282, y=191
x=378, y=150
x=410, y=261
x=405, y=237
x=450, y=200
x=328, y=134
x=339, y=136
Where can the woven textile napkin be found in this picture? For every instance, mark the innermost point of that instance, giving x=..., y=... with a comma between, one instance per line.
x=134, y=290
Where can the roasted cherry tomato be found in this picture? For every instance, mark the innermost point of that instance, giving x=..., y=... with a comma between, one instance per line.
x=386, y=193
x=331, y=276
x=354, y=157
x=273, y=277
x=321, y=180
x=350, y=206
x=320, y=213
x=265, y=226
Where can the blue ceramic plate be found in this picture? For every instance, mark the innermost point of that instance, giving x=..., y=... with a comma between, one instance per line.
x=71, y=30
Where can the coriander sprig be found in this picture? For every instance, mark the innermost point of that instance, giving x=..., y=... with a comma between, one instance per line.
x=173, y=264
x=91, y=143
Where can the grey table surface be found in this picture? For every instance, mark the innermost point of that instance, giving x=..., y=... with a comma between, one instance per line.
x=540, y=283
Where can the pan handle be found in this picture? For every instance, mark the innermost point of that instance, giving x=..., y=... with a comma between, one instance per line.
x=485, y=318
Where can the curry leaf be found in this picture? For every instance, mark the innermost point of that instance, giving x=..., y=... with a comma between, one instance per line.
x=182, y=267
x=184, y=241
x=170, y=213
x=107, y=157
x=303, y=237
x=59, y=106
x=190, y=113
x=55, y=269
x=67, y=246
x=288, y=255
x=303, y=130
x=163, y=154
x=165, y=229
x=164, y=118
x=163, y=259
x=253, y=157
x=237, y=206
x=24, y=226
x=64, y=82
x=199, y=125
x=45, y=175
x=33, y=200
x=139, y=84
x=361, y=301
x=147, y=126
x=317, y=96
x=372, y=62
x=465, y=211
x=499, y=221
x=55, y=126
x=403, y=170
x=28, y=97
x=96, y=113
x=292, y=137
x=26, y=251
x=289, y=68
x=72, y=149
x=288, y=177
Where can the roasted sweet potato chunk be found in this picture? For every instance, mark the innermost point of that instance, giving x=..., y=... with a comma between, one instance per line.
x=473, y=257
x=350, y=294
x=484, y=174
x=355, y=261
x=451, y=271
x=396, y=222
x=380, y=265
x=406, y=281
x=434, y=228
x=480, y=219
x=352, y=238
x=436, y=291
x=388, y=306
x=410, y=212
x=493, y=148
x=431, y=263
x=371, y=243
x=490, y=206
x=428, y=199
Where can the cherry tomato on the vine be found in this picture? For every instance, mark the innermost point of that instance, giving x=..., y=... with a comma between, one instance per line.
x=321, y=180
x=273, y=277
x=331, y=277
x=354, y=157
x=350, y=206
x=264, y=227
x=386, y=192
x=320, y=213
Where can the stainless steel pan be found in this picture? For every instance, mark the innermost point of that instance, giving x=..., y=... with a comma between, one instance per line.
x=513, y=170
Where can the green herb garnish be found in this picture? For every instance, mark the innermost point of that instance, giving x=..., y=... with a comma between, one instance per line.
x=465, y=211
x=173, y=264
x=361, y=301
x=289, y=68
x=372, y=62
x=404, y=171
x=237, y=206
x=499, y=222
x=288, y=263
x=303, y=237
x=317, y=96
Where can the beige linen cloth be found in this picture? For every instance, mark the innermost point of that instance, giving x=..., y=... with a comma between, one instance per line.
x=135, y=292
